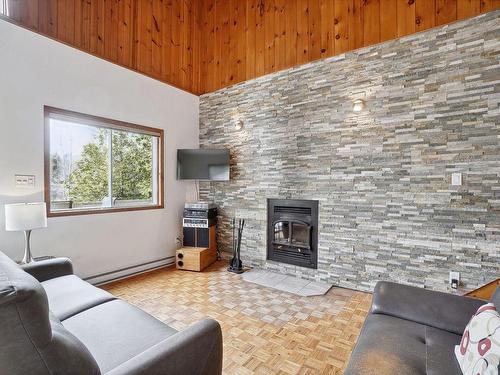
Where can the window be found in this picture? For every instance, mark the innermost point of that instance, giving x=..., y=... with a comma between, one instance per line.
x=4, y=7
x=93, y=164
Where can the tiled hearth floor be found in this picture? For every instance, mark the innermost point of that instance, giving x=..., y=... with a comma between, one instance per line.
x=265, y=331
x=286, y=283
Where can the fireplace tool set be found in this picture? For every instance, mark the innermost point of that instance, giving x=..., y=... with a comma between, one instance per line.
x=235, y=265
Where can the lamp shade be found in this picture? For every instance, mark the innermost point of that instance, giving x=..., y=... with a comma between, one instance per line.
x=25, y=216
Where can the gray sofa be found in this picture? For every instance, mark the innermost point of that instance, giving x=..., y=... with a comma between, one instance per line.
x=52, y=322
x=412, y=331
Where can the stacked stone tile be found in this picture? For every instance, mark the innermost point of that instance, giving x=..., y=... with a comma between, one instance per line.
x=383, y=175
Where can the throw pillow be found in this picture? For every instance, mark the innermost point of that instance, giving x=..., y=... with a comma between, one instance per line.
x=479, y=350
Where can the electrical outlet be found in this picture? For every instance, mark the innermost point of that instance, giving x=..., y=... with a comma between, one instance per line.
x=454, y=279
x=456, y=179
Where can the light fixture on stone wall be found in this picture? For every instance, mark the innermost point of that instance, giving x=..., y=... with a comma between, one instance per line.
x=239, y=125
x=358, y=105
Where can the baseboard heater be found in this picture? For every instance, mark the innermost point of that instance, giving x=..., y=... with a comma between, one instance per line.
x=122, y=273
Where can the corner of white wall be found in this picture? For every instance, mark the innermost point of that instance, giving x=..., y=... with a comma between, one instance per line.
x=38, y=71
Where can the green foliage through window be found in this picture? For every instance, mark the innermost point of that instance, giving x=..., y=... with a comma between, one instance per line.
x=99, y=167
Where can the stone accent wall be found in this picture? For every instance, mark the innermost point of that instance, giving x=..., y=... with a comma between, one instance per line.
x=388, y=210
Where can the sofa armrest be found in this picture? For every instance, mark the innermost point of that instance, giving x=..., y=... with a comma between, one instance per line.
x=49, y=268
x=436, y=309
x=196, y=350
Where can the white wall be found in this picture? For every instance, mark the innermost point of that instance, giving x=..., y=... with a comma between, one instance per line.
x=36, y=71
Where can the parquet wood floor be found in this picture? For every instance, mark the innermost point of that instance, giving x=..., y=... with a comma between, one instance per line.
x=265, y=331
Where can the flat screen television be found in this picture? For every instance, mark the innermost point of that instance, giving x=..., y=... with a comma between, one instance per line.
x=203, y=164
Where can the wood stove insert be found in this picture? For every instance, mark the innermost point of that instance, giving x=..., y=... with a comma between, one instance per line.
x=292, y=232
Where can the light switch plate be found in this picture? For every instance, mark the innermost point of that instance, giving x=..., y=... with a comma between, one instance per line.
x=25, y=180
x=456, y=179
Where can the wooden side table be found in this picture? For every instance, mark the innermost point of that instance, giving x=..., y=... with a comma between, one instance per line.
x=486, y=291
x=192, y=258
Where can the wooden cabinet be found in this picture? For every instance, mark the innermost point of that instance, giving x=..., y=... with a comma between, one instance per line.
x=199, y=251
x=195, y=258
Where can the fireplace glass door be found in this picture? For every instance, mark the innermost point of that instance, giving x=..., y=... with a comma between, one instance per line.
x=301, y=233
x=292, y=233
x=282, y=232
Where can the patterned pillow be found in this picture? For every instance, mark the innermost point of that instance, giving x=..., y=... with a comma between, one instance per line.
x=479, y=350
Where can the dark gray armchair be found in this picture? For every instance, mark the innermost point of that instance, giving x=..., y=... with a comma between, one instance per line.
x=52, y=322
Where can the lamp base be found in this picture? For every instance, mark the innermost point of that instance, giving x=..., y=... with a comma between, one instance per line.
x=27, y=258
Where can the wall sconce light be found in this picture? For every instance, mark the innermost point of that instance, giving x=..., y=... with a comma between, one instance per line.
x=239, y=125
x=359, y=104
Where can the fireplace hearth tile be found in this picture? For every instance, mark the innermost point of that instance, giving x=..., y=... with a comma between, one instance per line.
x=291, y=284
x=286, y=283
x=270, y=279
x=254, y=275
x=314, y=288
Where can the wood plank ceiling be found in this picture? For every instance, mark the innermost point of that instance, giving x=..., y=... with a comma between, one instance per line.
x=158, y=38
x=204, y=45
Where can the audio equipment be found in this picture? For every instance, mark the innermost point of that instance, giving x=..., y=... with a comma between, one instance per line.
x=197, y=223
x=199, y=240
x=200, y=205
x=197, y=255
x=199, y=215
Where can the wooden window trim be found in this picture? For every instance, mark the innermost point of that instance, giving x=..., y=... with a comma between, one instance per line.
x=110, y=124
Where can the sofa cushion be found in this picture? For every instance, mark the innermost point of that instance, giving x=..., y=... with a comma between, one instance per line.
x=437, y=309
x=387, y=346
x=115, y=331
x=390, y=345
x=440, y=347
x=69, y=295
x=25, y=293
x=32, y=341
